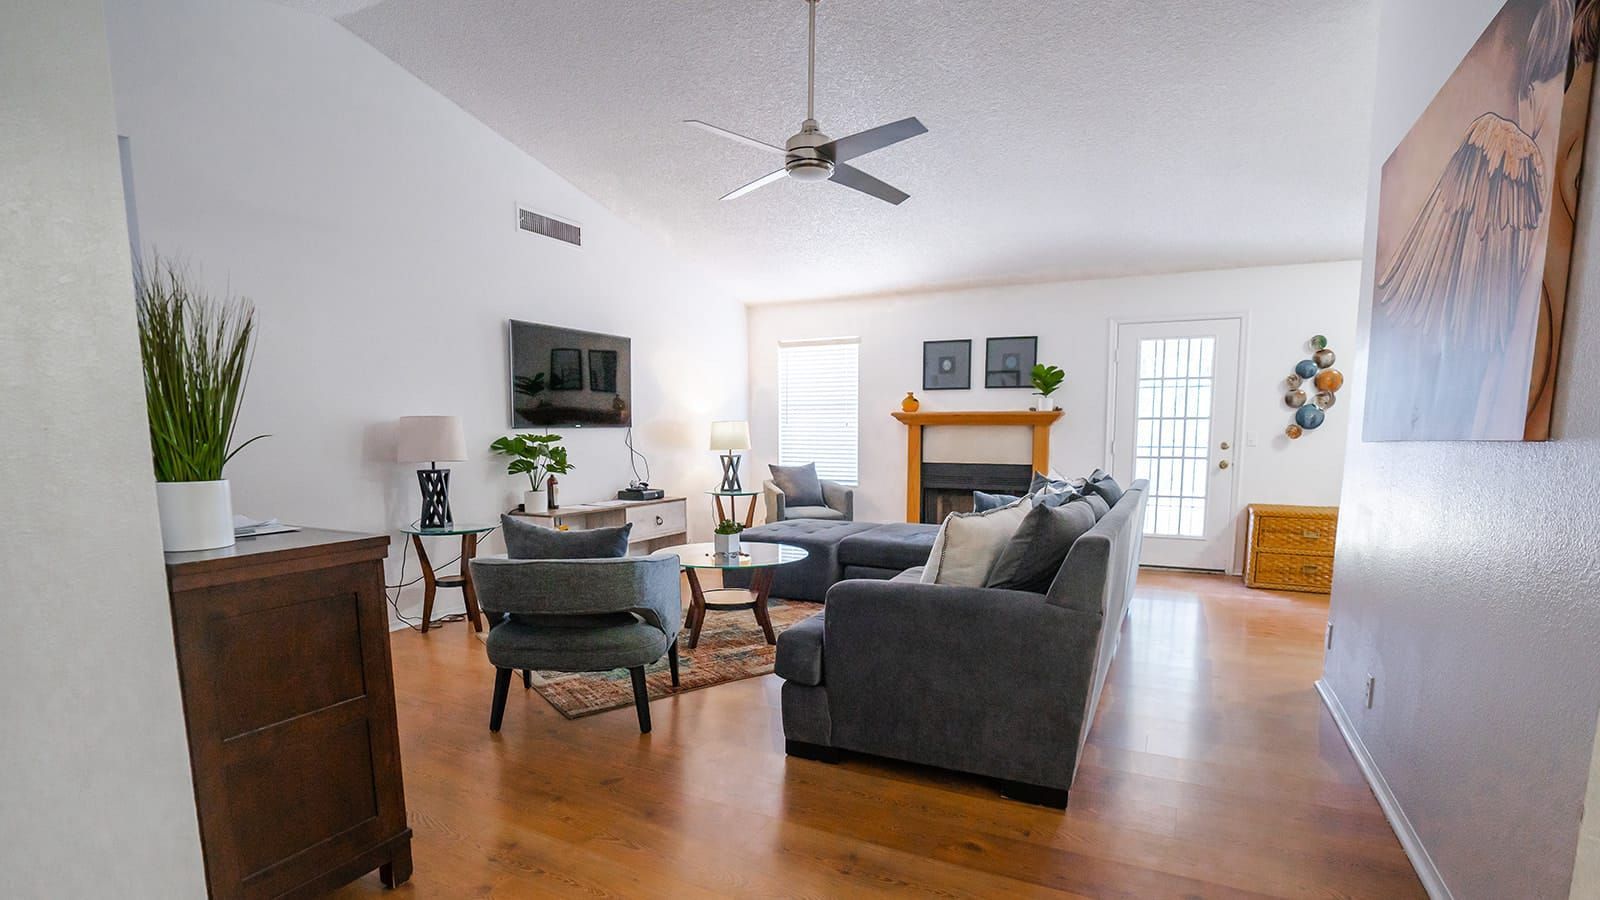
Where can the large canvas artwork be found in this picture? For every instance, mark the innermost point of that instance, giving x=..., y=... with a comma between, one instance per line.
x=1475, y=227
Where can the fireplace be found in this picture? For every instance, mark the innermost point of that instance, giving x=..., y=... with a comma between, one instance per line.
x=948, y=487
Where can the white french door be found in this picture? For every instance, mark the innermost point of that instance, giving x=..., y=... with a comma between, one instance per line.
x=1175, y=392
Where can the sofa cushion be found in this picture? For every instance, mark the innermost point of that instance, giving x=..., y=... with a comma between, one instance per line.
x=968, y=544
x=800, y=485
x=799, y=656
x=1106, y=487
x=622, y=641
x=824, y=513
x=810, y=578
x=912, y=574
x=1033, y=556
x=897, y=546
x=983, y=502
x=525, y=540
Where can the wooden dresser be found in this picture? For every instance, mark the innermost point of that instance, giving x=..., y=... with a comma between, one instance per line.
x=656, y=523
x=283, y=657
x=1290, y=548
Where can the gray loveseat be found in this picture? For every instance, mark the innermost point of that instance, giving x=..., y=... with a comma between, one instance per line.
x=993, y=682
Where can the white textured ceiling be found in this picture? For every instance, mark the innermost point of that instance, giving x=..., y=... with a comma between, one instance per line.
x=1067, y=138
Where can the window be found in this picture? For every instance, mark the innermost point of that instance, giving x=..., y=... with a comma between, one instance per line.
x=818, y=406
x=1171, y=449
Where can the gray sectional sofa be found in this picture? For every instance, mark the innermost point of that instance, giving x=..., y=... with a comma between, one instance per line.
x=994, y=682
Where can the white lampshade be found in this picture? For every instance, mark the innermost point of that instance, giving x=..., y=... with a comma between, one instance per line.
x=730, y=435
x=430, y=439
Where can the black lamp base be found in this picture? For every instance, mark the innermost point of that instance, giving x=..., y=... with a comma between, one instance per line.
x=435, y=497
x=730, y=474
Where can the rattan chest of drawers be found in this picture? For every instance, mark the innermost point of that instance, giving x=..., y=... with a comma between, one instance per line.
x=1290, y=548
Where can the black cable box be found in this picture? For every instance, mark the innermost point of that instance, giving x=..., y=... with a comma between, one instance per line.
x=641, y=494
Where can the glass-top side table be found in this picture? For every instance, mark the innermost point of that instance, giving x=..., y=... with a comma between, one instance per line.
x=432, y=581
x=733, y=505
x=762, y=559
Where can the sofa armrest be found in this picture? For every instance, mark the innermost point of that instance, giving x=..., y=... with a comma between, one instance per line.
x=775, y=500
x=840, y=497
x=974, y=679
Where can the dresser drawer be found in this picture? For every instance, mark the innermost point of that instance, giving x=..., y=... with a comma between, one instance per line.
x=1292, y=572
x=657, y=519
x=1295, y=534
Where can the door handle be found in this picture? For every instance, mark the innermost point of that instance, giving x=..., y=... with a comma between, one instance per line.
x=1223, y=464
x=1227, y=446
x=660, y=521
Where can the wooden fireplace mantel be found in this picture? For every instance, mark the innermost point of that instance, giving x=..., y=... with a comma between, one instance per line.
x=1040, y=422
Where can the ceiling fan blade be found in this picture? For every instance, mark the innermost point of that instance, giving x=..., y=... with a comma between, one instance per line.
x=864, y=142
x=733, y=136
x=852, y=177
x=763, y=181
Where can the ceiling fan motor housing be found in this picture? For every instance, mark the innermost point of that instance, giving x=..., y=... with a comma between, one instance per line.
x=803, y=161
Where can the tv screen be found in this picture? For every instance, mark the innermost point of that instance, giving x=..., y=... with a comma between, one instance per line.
x=566, y=377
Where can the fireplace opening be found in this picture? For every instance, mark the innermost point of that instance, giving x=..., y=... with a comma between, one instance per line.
x=948, y=487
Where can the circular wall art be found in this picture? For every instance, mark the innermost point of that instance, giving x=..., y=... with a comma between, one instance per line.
x=1310, y=413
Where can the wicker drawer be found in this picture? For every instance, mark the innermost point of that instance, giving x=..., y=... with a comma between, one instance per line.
x=1294, y=534
x=1292, y=572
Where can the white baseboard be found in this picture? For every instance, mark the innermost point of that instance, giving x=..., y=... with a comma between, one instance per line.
x=1427, y=872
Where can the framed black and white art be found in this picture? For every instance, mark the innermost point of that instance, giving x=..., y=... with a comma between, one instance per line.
x=946, y=365
x=1008, y=362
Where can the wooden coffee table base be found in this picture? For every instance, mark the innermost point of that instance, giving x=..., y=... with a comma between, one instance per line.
x=760, y=589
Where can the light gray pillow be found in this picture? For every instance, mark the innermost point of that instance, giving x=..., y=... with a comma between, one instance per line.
x=1033, y=556
x=800, y=484
x=968, y=544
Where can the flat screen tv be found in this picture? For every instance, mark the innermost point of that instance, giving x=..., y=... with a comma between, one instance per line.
x=569, y=378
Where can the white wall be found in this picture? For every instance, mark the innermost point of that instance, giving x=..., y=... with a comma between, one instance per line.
x=1282, y=306
x=1466, y=578
x=95, y=794
x=373, y=223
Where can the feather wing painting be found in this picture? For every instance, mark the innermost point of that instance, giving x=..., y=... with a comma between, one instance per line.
x=1463, y=289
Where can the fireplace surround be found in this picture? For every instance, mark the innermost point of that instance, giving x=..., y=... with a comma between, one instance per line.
x=953, y=482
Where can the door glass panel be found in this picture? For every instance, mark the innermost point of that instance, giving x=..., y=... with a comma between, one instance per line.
x=1172, y=446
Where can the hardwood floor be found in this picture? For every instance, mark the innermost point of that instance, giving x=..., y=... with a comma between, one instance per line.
x=1212, y=771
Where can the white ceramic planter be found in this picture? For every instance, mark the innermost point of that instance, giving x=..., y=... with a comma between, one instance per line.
x=535, y=502
x=195, y=515
x=726, y=544
x=1045, y=404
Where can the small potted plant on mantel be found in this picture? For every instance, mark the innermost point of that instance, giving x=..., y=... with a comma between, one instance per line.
x=196, y=353
x=537, y=456
x=1046, y=380
x=726, y=538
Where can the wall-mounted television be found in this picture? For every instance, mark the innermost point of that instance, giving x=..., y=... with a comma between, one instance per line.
x=562, y=377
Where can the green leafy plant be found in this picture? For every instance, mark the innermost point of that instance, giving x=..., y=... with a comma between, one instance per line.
x=196, y=352
x=728, y=526
x=537, y=456
x=1047, y=379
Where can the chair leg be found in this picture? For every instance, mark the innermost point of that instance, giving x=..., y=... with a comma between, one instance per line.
x=641, y=698
x=527, y=678
x=672, y=661
x=502, y=686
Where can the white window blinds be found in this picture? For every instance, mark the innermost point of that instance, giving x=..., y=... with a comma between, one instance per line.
x=818, y=409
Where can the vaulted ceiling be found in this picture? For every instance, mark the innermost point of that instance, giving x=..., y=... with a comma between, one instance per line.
x=1067, y=138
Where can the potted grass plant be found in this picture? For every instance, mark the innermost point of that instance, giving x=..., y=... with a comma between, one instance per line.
x=537, y=456
x=726, y=538
x=1046, y=380
x=196, y=352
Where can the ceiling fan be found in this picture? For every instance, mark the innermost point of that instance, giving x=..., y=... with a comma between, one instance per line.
x=812, y=155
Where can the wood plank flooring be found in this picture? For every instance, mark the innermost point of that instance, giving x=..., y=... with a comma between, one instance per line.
x=1212, y=771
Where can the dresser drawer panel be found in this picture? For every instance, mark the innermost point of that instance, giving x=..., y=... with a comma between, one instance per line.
x=1295, y=534
x=1292, y=572
x=657, y=519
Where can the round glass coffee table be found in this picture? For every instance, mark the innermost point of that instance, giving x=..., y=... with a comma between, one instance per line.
x=762, y=560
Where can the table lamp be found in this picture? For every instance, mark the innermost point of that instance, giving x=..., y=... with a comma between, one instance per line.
x=730, y=436
x=432, y=439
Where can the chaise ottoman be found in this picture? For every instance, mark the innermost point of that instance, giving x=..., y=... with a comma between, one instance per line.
x=887, y=550
x=810, y=578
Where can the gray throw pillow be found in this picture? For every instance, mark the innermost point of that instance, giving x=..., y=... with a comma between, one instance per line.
x=1055, y=498
x=1106, y=487
x=800, y=484
x=525, y=540
x=1034, y=554
x=1095, y=502
x=982, y=502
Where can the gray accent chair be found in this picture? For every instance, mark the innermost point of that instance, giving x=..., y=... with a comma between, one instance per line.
x=840, y=500
x=579, y=615
x=994, y=682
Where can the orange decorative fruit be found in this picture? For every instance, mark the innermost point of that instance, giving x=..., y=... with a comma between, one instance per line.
x=1329, y=380
x=1294, y=432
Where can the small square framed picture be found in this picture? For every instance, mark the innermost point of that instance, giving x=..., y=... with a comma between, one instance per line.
x=1008, y=362
x=946, y=365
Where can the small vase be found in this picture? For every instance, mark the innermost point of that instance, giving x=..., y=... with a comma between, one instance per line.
x=726, y=545
x=910, y=403
x=195, y=515
x=1046, y=404
x=535, y=502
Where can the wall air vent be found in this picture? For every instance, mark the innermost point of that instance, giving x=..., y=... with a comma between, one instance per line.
x=528, y=220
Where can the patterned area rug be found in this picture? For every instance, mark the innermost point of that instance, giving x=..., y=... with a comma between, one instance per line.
x=731, y=648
